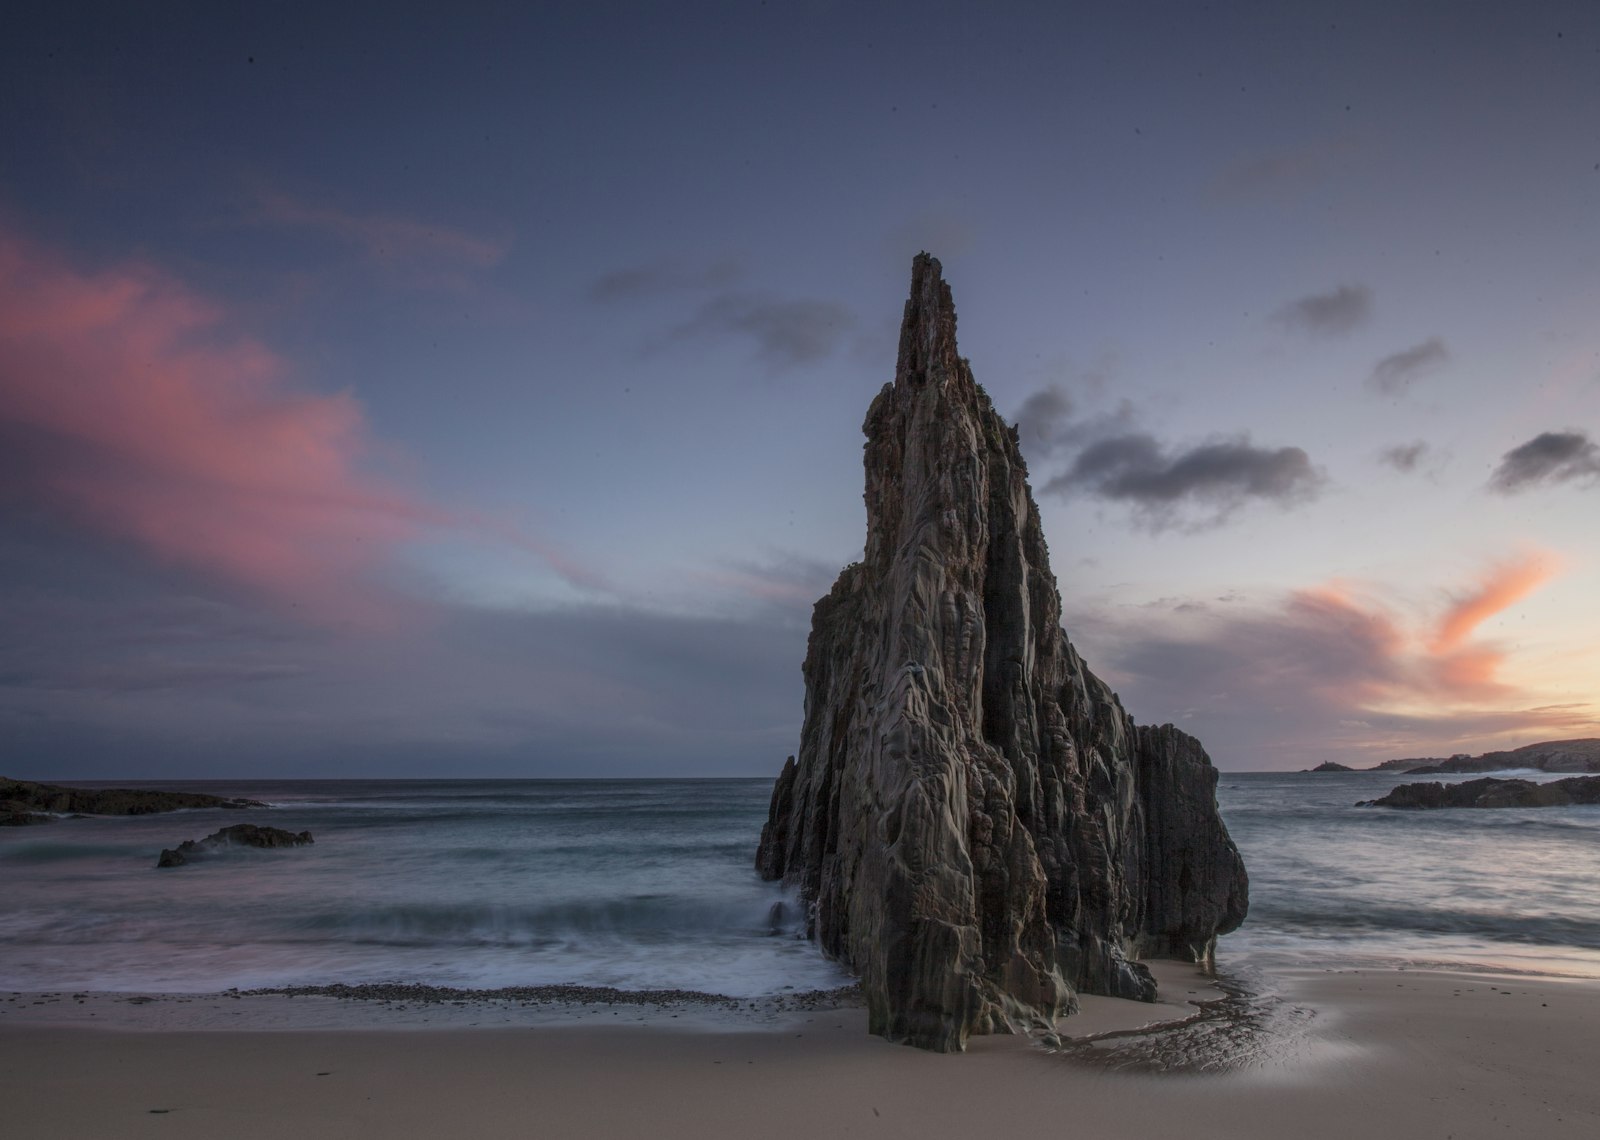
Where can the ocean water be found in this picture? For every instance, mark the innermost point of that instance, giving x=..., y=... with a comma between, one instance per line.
x=645, y=884
x=638, y=884
x=1334, y=884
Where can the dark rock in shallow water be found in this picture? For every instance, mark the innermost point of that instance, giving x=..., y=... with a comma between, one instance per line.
x=1331, y=766
x=28, y=797
x=239, y=835
x=1492, y=793
x=975, y=822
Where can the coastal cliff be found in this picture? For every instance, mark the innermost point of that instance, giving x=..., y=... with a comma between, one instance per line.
x=977, y=826
x=1547, y=756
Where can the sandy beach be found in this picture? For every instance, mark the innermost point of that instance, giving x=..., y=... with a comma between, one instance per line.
x=1330, y=1054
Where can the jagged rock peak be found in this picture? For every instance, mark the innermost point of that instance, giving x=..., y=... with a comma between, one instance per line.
x=928, y=332
x=978, y=828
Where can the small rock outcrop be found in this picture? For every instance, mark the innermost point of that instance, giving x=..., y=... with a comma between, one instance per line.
x=239, y=835
x=1492, y=793
x=51, y=800
x=978, y=828
x=1331, y=766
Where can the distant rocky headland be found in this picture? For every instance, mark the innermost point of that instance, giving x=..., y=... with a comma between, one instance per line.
x=1492, y=793
x=24, y=802
x=978, y=828
x=1581, y=755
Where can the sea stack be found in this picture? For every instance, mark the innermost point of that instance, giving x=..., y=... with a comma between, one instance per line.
x=977, y=827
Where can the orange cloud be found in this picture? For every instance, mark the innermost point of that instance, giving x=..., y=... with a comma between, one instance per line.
x=129, y=405
x=1334, y=669
x=1504, y=586
x=1470, y=673
x=1369, y=660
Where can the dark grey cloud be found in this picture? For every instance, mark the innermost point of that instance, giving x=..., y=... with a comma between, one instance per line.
x=1404, y=457
x=1340, y=311
x=1548, y=458
x=658, y=278
x=785, y=332
x=1049, y=424
x=1197, y=487
x=1043, y=420
x=1398, y=371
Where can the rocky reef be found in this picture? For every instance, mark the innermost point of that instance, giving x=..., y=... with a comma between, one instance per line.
x=23, y=801
x=238, y=835
x=1491, y=793
x=978, y=828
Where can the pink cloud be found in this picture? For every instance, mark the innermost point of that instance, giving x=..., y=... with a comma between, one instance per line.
x=130, y=406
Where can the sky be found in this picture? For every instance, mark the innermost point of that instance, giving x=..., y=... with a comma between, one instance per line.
x=476, y=390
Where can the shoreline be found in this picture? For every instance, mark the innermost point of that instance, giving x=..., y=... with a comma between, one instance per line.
x=1393, y=1052
x=386, y=1007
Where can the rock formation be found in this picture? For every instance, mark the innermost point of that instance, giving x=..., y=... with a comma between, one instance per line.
x=1546, y=756
x=239, y=835
x=1491, y=793
x=24, y=797
x=978, y=828
x=1582, y=755
x=1331, y=766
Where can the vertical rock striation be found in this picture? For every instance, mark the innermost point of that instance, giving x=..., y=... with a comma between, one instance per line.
x=978, y=827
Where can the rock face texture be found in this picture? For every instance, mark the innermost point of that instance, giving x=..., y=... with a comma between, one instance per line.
x=1491, y=793
x=238, y=835
x=977, y=826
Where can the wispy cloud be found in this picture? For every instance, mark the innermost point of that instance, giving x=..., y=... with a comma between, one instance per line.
x=1501, y=588
x=136, y=407
x=429, y=252
x=1549, y=458
x=1340, y=311
x=1285, y=172
x=1404, y=457
x=1398, y=371
x=663, y=277
x=785, y=332
x=785, y=583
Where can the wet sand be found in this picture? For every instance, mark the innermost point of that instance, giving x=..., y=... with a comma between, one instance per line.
x=1329, y=1054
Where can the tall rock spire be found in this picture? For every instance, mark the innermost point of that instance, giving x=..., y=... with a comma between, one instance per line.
x=978, y=827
